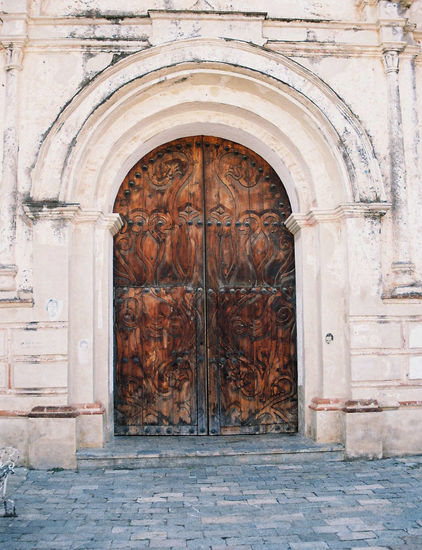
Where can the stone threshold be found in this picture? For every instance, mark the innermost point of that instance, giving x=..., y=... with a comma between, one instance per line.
x=183, y=451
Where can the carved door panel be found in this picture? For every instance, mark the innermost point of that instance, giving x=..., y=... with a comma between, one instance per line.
x=251, y=294
x=158, y=282
x=204, y=294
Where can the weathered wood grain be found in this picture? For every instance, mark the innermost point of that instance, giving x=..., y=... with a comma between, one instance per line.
x=204, y=294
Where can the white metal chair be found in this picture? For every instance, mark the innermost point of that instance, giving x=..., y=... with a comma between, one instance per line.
x=8, y=458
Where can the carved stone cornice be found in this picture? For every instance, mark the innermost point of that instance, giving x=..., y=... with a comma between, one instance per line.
x=360, y=209
x=297, y=221
x=112, y=222
x=51, y=210
x=55, y=210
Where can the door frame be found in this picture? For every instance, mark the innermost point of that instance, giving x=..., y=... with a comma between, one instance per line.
x=307, y=228
x=285, y=176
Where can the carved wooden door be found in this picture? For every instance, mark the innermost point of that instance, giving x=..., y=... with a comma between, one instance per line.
x=204, y=294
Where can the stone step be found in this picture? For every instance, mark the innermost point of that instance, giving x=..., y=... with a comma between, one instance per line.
x=184, y=451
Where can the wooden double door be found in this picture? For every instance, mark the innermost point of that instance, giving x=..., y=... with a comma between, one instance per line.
x=204, y=294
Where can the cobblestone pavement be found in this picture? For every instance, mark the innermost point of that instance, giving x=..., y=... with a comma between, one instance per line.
x=324, y=505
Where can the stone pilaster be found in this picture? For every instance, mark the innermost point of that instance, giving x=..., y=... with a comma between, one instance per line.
x=404, y=283
x=9, y=185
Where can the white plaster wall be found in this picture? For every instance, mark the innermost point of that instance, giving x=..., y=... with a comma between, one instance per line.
x=359, y=81
x=415, y=12
x=288, y=8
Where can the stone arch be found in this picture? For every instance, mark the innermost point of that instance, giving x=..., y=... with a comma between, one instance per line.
x=231, y=90
x=295, y=120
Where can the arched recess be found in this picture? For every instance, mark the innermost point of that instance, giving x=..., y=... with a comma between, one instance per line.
x=231, y=90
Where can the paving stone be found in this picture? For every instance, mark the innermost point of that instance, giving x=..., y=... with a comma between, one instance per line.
x=330, y=529
x=309, y=546
x=358, y=535
x=306, y=506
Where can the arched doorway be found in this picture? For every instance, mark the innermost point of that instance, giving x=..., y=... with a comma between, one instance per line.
x=204, y=294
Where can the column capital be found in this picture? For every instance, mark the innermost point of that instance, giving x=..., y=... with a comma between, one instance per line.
x=111, y=221
x=391, y=61
x=391, y=56
x=14, y=55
